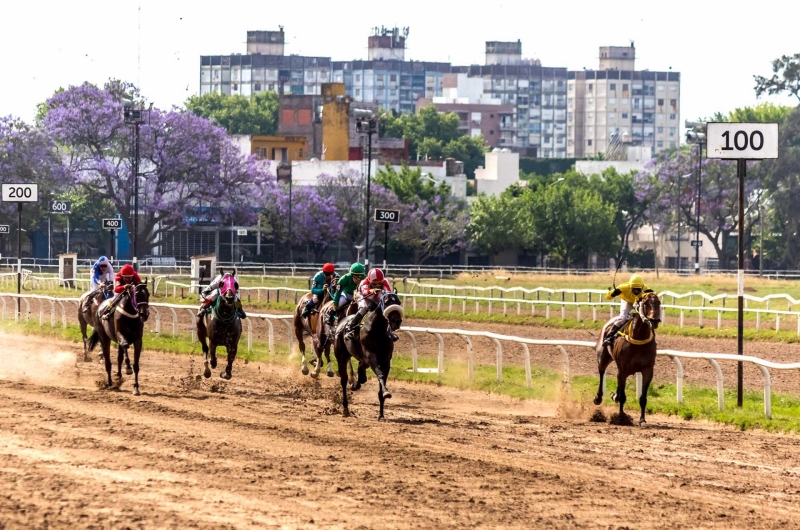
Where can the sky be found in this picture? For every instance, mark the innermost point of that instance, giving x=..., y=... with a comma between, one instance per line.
x=716, y=45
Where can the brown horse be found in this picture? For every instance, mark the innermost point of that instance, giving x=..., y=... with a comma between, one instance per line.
x=371, y=347
x=325, y=333
x=89, y=318
x=307, y=326
x=634, y=352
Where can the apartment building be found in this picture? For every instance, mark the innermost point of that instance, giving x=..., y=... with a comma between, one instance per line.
x=617, y=101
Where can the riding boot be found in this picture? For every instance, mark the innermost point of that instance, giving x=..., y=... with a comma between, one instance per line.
x=612, y=335
x=307, y=308
x=353, y=324
x=239, y=309
x=331, y=317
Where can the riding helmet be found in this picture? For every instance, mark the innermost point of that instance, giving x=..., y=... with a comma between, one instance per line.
x=637, y=281
x=375, y=275
x=328, y=267
x=357, y=268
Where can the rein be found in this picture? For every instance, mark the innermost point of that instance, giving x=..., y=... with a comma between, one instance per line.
x=134, y=304
x=218, y=316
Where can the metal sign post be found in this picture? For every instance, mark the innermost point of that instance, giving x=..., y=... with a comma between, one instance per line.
x=58, y=207
x=20, y=193
x=742, y=142
x=112, y=224
x=386, y=217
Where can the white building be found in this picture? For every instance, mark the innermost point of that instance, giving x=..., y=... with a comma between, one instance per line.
x=501, y=171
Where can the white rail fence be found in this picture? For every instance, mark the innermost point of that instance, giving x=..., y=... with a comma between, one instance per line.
x=465, y=337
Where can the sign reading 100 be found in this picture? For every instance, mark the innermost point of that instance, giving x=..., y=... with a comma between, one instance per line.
x=749, y=141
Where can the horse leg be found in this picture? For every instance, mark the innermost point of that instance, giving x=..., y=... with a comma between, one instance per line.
x=82, y=322
x=343, y=378
x=106, y=348
x=619, y=396
x=318, y=349
x=647, y=378
x=231, y=357
x=120, y=357
x=328, y=357
x=298, y=333
x=212, y=350
x=383, y=392
x=128, y=369
x=603, y=360
x=354, y=384
x=202, y=336
x=137, y=352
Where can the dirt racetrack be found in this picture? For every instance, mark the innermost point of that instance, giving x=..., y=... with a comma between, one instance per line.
x=269, y=449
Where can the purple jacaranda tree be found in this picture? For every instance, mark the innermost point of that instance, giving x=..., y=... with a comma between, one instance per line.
x=669, y=187
x=28, y=156
x=186, y=162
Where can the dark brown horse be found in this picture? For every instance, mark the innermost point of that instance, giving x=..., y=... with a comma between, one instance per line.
x=371, y=347
x=89, y=318
x=324, y=334
x=307, y=327
x=221, y=327
x=634, y=352
x=126, y=327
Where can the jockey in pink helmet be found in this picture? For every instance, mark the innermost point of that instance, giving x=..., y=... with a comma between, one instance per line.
x=368, y=294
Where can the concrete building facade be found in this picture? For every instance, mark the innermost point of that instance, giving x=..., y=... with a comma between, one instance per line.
x=619, y=101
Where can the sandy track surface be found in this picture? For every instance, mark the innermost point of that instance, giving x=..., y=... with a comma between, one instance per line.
x=270, y=449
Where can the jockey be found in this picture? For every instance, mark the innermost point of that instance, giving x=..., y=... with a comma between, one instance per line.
x=211, y=293
x=345, y=290
x=126, y=276
x=630, y=293
x=102, y=272
x=324, y=280
x=369, y=292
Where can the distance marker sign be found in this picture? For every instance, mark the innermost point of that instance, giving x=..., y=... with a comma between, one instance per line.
x=747, y=141
x=20, y=192
x=112, y=223
x=387, y=216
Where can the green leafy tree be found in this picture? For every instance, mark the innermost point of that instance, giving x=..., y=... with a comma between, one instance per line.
x=409, y=185
x=785, y=77
x=494, y=225
x=257, y=114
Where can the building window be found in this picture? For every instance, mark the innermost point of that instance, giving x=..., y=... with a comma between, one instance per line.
x=624, y=115
x=591, y=86
x=491, y=132
x=672, y=131
x=672, y=144
x=559, y=83
x=660, y=143
x=673, y=88
x=358, y=78
x=491, y=116
x=660, y=88
x=588, y=142
x=673, y=103
x=625, y=87
x=673, y=117
x=661, y=130
x=358, y=92
x=261, y=152
x=660, y=102
x=300, y=153
x=612, y=86
x=258, y=87
x=570, y=88
x=235, y=86
x=393, y=78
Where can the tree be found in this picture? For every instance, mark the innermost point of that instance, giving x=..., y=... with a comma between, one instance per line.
x=618, y=191
x=257, y=114
x=435, y=135
x=28, y=155
x=785, y=77
x=186, y=161
x=433, y=224
x=315, y=223
x=670, y=194
x=494, y=225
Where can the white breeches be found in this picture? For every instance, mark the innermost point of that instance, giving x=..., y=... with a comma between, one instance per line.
x=624, y=312
x=345, y=299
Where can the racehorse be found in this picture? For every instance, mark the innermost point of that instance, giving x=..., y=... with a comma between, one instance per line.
x=324, y=333
x=222, y=326
x=370, y=347
x=634, y=352
x=307, y=326
x=126, y=327
x=89, y=318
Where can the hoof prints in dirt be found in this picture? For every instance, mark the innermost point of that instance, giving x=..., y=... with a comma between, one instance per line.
x=621, y=419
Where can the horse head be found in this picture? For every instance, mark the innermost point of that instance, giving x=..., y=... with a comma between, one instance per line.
x=392, y=309
x=140, y=300
x=650, y=310
x=227, y=288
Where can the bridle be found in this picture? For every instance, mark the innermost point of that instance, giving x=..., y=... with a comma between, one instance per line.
x=639, y=310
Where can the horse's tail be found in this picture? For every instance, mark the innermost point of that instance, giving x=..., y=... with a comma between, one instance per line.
x=93, y=340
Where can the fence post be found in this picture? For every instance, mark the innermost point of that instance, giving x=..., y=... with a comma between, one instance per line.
x=720, y=384
x=499, y=359
x=528, y=378
x=678, y=378
x=413, y=349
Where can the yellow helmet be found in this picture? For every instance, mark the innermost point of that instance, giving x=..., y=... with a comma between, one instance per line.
x=636, y=281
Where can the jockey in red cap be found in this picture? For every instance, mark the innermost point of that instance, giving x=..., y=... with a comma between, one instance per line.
x=369, y=292
x=126, y=276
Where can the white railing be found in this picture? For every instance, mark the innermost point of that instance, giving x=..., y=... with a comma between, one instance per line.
x=439, y=333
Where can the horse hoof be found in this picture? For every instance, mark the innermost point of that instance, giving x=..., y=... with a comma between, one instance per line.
x=642, y=424
x=355, y=387
x=225, y=375
x=614, y=397
x=381, y=418
x=213, y=362
x=330, y=373
x=346, y=413
x=598, y=400
x=315, y=374
x=128, y=371
x=304, y=370
x=387, y=395
x=136, y=391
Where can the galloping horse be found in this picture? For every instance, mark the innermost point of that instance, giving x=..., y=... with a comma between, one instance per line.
x=222, y=327
x=90, y=319
x=324, y=334
x=634, y=352
x=125, y=328
x=308, y=327
x=370, y=347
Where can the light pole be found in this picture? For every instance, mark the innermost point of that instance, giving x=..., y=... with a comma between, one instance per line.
x=284, y=174
x=697, y=136
x=367, y=123
x=134, y=116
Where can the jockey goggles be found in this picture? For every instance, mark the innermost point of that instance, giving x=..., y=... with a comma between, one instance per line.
x=636, y=290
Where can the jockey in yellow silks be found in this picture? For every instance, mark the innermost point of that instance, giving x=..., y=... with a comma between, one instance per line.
x=630, y=293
